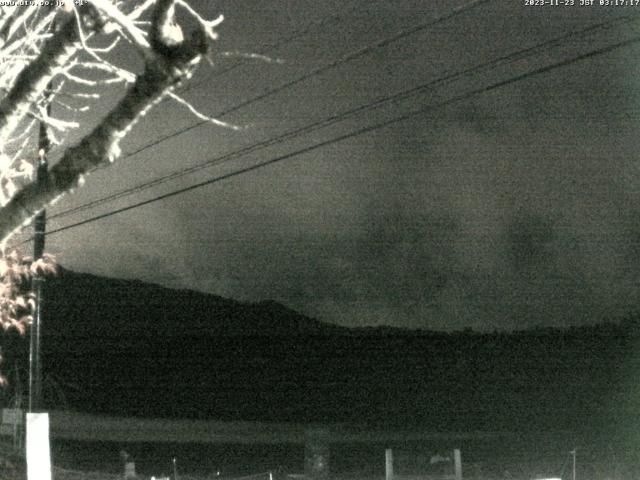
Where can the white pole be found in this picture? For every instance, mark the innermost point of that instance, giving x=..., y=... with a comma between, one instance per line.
x=457, y=459
x=38, y=449
x=388, y=455
x=573, y=452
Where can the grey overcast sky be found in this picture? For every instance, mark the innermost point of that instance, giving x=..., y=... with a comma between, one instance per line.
x=512, y=208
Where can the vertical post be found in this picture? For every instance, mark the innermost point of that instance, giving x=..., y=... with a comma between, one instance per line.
x=38, y=451
x=388, y=462
x=35, y=363
x=457, y=460
x=573, y=452
x=316, y=453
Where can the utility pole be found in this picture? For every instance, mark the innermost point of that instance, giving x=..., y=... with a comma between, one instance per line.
x=573, y=453
x=40, y=222
x=388, y=455
x=457, y=461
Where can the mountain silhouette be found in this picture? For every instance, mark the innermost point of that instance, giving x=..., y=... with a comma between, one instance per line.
x=79, y=304
x=126, y=347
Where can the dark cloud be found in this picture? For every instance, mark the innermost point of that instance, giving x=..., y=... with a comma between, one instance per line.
x=530, y=241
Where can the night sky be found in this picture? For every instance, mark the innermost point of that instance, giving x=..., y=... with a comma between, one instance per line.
x=512, y=208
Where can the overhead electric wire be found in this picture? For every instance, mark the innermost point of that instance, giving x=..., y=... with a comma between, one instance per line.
x=265, y=51
x=507, y=58
x=317, y=71
x=274, y=46
x=360, y=131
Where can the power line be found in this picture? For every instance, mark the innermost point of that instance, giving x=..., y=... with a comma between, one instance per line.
x=361, y=131
x=317, y=71
x=274, y=46
x=511, y=57
x=265, y=51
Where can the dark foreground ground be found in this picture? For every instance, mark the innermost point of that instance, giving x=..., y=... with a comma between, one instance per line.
x=525, y=458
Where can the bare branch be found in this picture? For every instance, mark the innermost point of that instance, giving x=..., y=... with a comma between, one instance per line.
x=126, y=23
x=33, y=79
x=252, y=56
x=200, y=115
x=137, y=13
x=13, y=21
x=170, y=63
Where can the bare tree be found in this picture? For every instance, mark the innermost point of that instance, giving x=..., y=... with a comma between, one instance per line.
x=63, y=54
